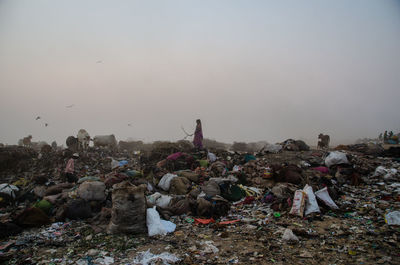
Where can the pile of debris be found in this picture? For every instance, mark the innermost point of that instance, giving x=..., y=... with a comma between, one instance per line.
x=179, y=205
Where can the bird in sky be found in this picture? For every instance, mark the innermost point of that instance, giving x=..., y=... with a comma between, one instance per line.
x=70, y=106
x=130, y=124
x=99, y=61
x=38, y=118
x=46, y=124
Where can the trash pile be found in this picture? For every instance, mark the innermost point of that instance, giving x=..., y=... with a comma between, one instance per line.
x=285, y=204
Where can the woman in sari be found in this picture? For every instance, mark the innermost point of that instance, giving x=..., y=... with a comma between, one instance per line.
x=198, y=135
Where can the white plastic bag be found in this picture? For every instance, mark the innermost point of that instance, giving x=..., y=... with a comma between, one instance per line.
x=385, y=172
x=153, y=222
x=289, y=236
x=165, y=181
x=158, y=199
x=163, y=201
x=335, y=158
x=168, y=226
x=311, y=202
x=8, y=189
x=323, y=195
x=114, y=164
x=212, y=157
x=147, y=258
x=273, y=148
x=209, y=247
x=393, y=218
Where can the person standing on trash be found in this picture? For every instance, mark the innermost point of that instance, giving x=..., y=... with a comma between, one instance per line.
x=70, y=169
x=198, y=135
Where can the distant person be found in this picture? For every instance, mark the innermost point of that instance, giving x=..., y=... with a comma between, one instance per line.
x=198, y=135
x=70, y=169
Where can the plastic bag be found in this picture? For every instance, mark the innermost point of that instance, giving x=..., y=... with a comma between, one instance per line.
x=209, y=247
x=159, y=200
x=147, y=258
x=323, y=195
x=273, y=148
x=168, y=226
x=311, y=202
x=8, y=189
x=388, y=173
x=335, y=158
x=393, y=218
x=165, y=181
x=289, y=236
x=299, y=201
x=212, y=157
x=114, y=164
x=153, y=222
x=163, y=201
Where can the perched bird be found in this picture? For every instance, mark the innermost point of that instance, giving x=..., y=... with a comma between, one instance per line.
x=38, y=118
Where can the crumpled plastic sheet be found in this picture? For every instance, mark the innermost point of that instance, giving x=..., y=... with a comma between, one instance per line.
x=148, y=258
x=393, y=218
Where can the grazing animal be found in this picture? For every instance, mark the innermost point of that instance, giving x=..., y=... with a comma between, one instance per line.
x=105, y=141
x=27, y=141
x=323, y=141
x=83, y=139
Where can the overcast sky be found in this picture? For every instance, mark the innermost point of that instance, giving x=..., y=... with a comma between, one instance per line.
x=250, y=70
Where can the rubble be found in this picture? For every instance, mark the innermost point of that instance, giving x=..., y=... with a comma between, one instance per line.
x=184, y=206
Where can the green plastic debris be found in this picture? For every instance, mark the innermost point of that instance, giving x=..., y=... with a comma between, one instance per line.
x=134, y=173
x=43, y=205
x=203, y=163
x=189, y=220
x=277, y=214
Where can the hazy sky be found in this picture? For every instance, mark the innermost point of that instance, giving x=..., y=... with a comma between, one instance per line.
x=250, y=70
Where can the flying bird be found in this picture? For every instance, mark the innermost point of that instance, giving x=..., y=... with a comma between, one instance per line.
x=46, y=124
x=99, y=61
x=70, y=106
x=129, y=124
x=38, y=118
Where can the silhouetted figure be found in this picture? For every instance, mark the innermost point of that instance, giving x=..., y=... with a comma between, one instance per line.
x=198, y=135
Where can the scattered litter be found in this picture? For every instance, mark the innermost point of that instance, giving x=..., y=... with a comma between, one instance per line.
x=148, y=258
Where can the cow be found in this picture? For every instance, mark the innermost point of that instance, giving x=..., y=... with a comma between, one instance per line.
x=83, y=139
x=27, y=140
x=105, y=141
x=323, y=141
x=37, y=146
x=72, y=143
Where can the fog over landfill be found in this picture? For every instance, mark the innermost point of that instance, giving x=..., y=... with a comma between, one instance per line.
x=250, y=70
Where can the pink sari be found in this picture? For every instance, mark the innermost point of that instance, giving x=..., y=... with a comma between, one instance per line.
x=198, y=137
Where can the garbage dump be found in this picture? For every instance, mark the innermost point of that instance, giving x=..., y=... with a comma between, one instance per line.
x=286, y=204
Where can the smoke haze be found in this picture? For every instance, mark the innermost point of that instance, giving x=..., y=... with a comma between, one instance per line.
x=250, y=70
